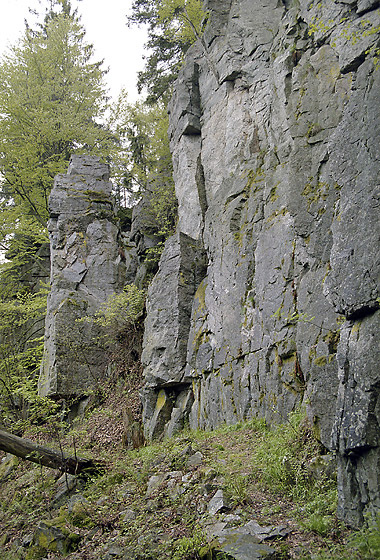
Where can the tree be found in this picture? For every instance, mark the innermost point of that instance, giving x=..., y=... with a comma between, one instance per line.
x=173, y=26
x=51, y=99
x=143, y=161
x=31, y=451
x=21, y=348
x=143, y=150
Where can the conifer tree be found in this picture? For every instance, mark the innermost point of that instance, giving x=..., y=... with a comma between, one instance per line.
x=173, y=26
x=52, y=97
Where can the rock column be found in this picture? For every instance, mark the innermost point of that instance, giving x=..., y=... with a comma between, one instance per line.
x=86, y=268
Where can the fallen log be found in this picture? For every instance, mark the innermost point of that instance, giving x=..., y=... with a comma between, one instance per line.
x=31, y=451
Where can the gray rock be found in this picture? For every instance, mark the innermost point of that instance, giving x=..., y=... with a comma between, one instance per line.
x=244, y=547
x=53, y=536
x=154, y=483
x=169, y=302
x=195, y=460
x=263, y=533
x=324, y=466
x=356, y=434
x=75, y=501
x=217, y=503
x=112, y=550
x=275, y=138
x=65, y=486
x=86, y=268
x=128, y=515
x=7, y=466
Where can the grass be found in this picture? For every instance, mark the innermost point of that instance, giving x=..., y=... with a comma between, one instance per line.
x=281, y=461
x=264, y=474
x=360, y=545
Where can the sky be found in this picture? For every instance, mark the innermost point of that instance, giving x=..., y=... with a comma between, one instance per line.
x=105, y=25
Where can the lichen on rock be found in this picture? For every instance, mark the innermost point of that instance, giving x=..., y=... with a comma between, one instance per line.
x=275, y=140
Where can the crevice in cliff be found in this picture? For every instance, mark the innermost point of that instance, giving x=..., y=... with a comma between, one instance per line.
x=201, y=186
x=354, y=64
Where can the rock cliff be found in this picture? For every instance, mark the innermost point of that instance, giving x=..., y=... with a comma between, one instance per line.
x=268, y=294
x=86, y=268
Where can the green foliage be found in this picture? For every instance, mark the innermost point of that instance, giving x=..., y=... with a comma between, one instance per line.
x=21, y=349
x=50, y=97
x=143, y=153
x=367, y=541
x=317, y=513
x=360, y=545
x=21, y=239
x=173, y=25
x=122, y=310
x=190, y=548
x=236, y=489
x=182, y=20
x=142, y=164
x=281, y=459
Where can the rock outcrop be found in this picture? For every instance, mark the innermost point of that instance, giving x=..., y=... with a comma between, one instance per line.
x=268, y=295
x=86, y=268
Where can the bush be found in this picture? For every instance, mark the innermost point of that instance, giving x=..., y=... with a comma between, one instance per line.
x=121, y=311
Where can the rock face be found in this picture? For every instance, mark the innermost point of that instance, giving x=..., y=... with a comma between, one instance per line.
x=86, y=268
x=275, y=129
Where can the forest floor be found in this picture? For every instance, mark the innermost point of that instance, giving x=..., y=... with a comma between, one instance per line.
x=179, y=499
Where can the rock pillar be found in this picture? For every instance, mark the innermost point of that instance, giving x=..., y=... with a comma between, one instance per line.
x=86, y=268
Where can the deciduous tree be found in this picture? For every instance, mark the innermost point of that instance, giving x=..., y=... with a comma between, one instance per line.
x=143, y=161
x=52, y=100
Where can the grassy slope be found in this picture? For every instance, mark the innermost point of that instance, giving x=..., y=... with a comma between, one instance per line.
x=264, y=475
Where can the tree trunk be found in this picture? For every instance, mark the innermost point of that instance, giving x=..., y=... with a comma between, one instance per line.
x=27, y=449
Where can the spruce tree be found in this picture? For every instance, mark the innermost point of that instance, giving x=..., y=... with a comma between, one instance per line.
x=52, y=99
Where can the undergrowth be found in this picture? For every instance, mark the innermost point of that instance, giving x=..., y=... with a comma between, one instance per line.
x=361, y=545
x=282, y=463
x=265, y=475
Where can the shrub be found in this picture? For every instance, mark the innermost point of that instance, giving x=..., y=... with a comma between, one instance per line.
x=121, y=311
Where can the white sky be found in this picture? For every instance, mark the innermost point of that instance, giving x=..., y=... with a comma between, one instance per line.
x=105, y=25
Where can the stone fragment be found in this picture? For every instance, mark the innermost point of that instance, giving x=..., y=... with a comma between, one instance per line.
x=180, y=412
x=217, y=503
x=323, y=466
x=112, y=550
x=128, y=515
x=7, y=466
x=154, y=483
x=244, y=547
x=65, y=486
x=53, y=536
x=195, y=460
x=214, y=530
x=267, y=533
